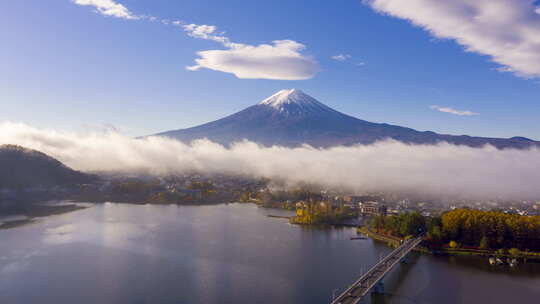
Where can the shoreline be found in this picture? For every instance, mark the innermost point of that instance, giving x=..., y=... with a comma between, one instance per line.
x=37, y=211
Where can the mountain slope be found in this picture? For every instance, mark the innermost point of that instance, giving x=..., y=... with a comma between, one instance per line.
x=292, y=118
x=22, y=168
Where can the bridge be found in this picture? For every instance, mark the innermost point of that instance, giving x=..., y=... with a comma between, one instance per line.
x=371, y=280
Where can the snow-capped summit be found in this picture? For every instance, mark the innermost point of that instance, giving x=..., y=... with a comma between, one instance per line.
x=287, y=96
x=294, y=101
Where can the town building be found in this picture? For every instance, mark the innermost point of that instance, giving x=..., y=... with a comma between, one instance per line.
x=372, y=208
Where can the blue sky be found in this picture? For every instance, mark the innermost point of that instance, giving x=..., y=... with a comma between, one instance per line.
x=69, y=66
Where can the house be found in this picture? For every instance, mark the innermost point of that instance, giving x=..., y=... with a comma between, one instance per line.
x=372, y=208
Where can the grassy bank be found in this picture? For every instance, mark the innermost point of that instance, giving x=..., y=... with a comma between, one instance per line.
x=390, y=240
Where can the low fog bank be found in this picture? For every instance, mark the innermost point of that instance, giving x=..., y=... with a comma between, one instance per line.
x=442, y=170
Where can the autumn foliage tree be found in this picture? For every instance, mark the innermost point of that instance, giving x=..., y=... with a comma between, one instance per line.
x=492, y=229
x=467, y=227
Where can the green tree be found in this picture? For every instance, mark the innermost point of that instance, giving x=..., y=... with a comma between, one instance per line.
x=412, y=223
x=514, y=252
x=377, y=223
x=435, y=233
x=484, y=243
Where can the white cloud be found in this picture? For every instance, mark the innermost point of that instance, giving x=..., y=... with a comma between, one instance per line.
x=506, y=30
x=452, y=111
x=108, y=8
x=345, y=57
x=441, y=169
x=281, y=60
x=341, y=57
x=204, y=31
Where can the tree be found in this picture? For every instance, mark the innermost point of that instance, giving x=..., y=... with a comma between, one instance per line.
x=494, y=228
x=435, y=232
x=377, y=223
x=412, y=223
x=514, y=252
x=245, y=196
x=484, y=243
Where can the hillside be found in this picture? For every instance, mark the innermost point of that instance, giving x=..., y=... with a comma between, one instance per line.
x=22, y=168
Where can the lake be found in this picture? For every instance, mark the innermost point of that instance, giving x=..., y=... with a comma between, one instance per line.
x=120, y=253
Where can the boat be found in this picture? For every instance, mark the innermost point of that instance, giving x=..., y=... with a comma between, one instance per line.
x=360, y=237
x=513, y=262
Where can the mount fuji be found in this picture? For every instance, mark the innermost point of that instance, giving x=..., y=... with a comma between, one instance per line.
x=292, y=118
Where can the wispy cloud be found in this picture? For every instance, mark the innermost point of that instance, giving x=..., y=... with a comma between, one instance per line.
x=505, y=30
x=280, y=60
x=347, y=57
x=341, y=57
x=452, y=111
x=108, y=8
x=204, y=31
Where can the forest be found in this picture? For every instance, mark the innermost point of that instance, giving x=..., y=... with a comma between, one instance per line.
x=467, y=228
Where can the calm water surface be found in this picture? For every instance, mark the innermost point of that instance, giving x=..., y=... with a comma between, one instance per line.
x=116, y=253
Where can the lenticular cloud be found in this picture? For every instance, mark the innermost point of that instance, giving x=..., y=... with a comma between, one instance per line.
x=283, y=59
x=442, y=169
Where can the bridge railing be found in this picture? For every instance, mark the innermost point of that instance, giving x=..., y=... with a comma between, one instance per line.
x=406, y=246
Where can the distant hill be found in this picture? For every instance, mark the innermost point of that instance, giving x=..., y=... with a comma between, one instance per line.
x=292, y=118
x=22, y=168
